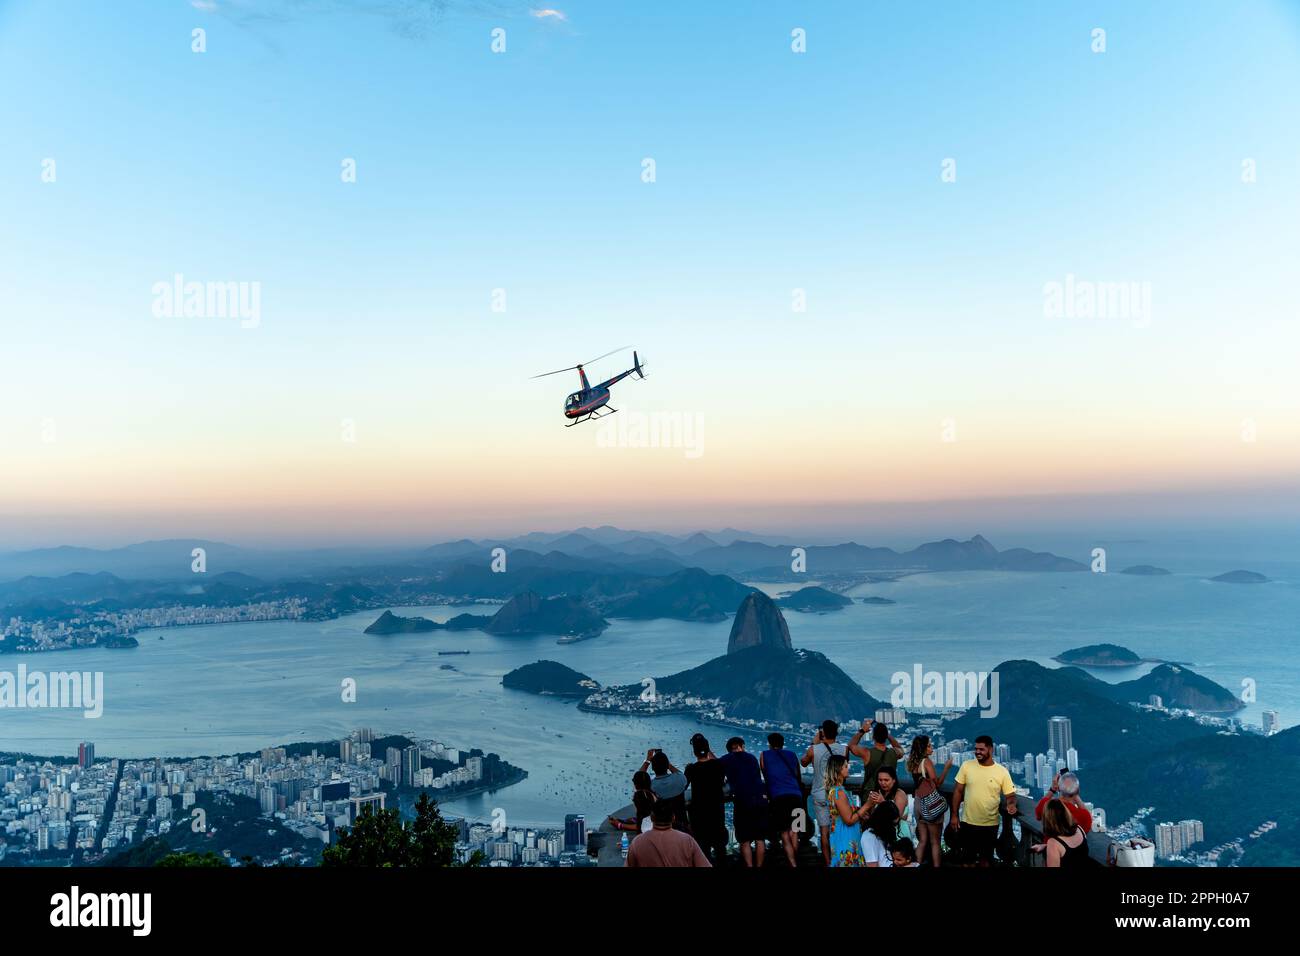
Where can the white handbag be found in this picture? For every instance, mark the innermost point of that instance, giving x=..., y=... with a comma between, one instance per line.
x=1132, y=853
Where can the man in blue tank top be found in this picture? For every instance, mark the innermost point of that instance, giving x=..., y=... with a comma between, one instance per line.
x=748, y=801
x=780, y=768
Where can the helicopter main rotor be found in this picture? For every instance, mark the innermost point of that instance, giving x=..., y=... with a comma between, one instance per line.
x=581, y=364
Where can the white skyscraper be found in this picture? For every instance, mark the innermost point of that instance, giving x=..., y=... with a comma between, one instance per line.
x=1072, y=759
x=1272, y=722
x=1060, y=736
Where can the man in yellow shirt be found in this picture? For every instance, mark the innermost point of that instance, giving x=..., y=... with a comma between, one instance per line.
x=981, y=784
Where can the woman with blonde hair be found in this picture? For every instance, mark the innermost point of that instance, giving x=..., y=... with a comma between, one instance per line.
x=846, y=819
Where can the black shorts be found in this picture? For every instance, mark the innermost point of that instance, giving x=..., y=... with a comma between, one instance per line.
x=751, y=822
x=978, y=843
x=782, y=813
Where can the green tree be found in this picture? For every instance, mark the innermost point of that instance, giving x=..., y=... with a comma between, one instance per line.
x=382, y=839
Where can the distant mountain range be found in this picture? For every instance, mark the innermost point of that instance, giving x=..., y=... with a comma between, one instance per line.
x=977, y=554
x=602, y=572
x=726, y=551
x=170, y=560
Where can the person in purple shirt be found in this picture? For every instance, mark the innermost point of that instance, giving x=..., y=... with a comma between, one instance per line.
x=780, y=768
x=748, y=801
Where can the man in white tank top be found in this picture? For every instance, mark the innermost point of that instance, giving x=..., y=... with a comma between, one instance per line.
x=823, y=746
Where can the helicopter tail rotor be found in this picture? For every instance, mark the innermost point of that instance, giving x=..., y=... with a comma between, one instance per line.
x=636, y=366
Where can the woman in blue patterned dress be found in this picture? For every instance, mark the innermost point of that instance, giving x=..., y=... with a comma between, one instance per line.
x=846, y=825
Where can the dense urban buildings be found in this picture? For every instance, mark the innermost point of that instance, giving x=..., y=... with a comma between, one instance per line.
x=279, y=805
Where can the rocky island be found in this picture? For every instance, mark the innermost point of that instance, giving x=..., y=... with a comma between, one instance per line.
x=550, y=678
x=1241, y=577
x=527, y=613
x=524, y=614
x=1100, y=655
x=390, y=623
x=813, y=599
x=1145, y=570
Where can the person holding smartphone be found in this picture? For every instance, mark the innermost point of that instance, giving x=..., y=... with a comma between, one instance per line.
x=888, y=791
x=883, y=752
x=669, y=784
x=824, y=746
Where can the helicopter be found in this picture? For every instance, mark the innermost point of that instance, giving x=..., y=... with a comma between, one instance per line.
x=585, y=404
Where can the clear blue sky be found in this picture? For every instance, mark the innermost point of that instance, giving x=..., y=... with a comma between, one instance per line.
x=522, y=170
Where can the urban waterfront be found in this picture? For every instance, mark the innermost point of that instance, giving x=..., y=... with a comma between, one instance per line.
x=223, y=689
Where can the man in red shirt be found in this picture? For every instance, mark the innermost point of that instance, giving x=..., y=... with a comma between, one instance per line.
x=1065, y=787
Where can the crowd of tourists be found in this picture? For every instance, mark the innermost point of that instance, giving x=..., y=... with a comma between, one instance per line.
x=876, y=824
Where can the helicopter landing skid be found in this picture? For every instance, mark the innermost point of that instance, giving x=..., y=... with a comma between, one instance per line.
x=590, y=415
